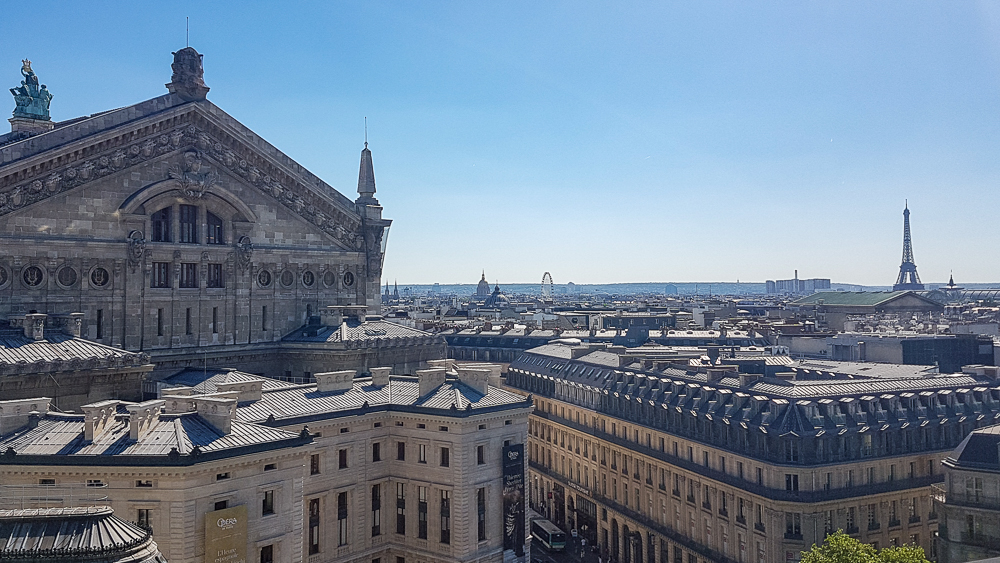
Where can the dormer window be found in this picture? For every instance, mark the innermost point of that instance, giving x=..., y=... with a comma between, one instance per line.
x=160, y=226
x=216, y=234
x=189, y=224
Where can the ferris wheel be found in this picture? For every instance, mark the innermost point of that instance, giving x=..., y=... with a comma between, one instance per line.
x=547, y=285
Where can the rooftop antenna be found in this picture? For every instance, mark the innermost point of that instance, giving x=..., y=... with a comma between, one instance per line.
x=366, y=131
x=187, y=31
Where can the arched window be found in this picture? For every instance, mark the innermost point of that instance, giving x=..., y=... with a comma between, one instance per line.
x=160, y=226
x=189, y=224
x=216, y=234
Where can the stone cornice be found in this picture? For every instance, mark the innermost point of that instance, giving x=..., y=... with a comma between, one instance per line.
x=201, y=127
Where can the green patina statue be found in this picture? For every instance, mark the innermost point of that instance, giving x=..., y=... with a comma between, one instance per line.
x=32, y=100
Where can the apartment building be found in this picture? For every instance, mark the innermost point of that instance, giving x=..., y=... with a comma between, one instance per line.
x=657, y=464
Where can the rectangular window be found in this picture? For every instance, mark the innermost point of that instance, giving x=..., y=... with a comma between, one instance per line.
x=445, y=457
x=222, y=505
x=481, y=513
x=341, y=518
x=189, y=275
x=267, y=554
x=160, y=226
x=401, y=451
x=100, y=324
x=215, y=278
x=187, y=320
x=400, y=508
x=313, y=526
x=480, y=455
x=215, y=320
x=267, y=503
x=189, y=224
x=159, y=322
x=215, y=230
x=422, y=512
x=446, y=517
x=342, y=459
x=791, y=482
x=263, y=317
x=421, y=453
x=314, y=464
x=376, y=510
x=376, y=452
x=144, y=518
x=159, y=275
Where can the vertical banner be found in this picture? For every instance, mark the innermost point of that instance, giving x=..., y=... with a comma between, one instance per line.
x=513, y=498
x=226, y=535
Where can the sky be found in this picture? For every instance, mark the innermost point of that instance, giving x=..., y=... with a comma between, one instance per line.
x=601, y=142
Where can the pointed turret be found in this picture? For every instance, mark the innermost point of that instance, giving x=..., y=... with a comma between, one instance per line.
x=366, y=179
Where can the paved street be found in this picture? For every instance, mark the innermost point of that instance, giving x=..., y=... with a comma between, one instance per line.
x=574, y=553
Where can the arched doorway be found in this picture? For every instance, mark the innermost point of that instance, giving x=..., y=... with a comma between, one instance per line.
x=637, y=541
x=627, y=552
x=615, y=547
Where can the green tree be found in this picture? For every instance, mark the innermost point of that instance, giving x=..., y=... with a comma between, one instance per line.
x=842, y=548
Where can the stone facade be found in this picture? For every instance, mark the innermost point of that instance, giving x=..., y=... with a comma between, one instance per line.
x=178, y=232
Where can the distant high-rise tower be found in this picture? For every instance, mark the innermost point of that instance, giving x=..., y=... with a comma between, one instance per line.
x=908, y=278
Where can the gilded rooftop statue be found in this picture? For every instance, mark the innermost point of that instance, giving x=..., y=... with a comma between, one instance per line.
x=32, y=100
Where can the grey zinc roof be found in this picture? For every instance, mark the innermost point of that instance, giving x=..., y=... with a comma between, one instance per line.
x=357, y=332
x=71, y=534
x=402, y=391
x=57, y=348
x=205, y=380
x=62, y=434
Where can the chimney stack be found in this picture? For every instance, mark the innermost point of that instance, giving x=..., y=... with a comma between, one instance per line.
x=477, y=378
x=142, y=417
x=430, y=379
x=34, y=326
x=246, y=391
x=216, y=411
x=14, y=414
x=98, y=417
x=334, y=381
x=380, y=376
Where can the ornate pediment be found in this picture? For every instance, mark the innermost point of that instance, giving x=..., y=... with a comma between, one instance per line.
x=196, y=137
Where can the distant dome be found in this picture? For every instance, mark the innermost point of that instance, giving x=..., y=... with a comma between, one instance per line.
x=496, y=300
x=483, y=289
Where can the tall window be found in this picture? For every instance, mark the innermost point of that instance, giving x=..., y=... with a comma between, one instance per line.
x=215, y=231
x=342, y=459
x=144, y=518
x=400, y=508
x=481, y=513
x=376, y=510
x=215, y=278
x=159, y=322
x=401, y=451
x=187, y=320
x=263, y=317
x=421, y=453
x=189, y=223
x=445, y=516
x=342, y=519
x=189, y=274
x=267, y=503
x=100, y=324
x=267, y=554
x=313, y=526
x=376, y=451
x=215, y=320
x=160, y=275
x=422, y=512
x=445, y=457
x=480, y=455
x=160, y=226
x=314, y=464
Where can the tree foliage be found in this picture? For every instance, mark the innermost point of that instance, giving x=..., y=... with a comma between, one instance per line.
x=842, y=548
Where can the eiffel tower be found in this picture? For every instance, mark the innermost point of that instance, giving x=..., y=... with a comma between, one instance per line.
x=908, y=278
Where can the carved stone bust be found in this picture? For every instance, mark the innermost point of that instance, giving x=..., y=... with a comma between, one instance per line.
x=188, y=80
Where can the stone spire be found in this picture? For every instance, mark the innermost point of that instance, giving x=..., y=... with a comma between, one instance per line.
x=366, y=179
x=31, y=99
x=188, y=79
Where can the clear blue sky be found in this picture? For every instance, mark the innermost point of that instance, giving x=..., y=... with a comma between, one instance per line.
x=603, y=142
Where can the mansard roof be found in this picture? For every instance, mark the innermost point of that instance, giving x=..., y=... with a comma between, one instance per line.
x=89, y=148
x=813, y=406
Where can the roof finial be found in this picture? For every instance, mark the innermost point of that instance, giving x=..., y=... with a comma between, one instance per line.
x=366, y=131
x=187, y=31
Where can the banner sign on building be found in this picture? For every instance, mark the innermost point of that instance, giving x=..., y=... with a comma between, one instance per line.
x=226, y=535
x=513, y=498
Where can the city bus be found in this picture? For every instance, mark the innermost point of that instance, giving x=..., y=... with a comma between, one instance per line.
x=548, y=534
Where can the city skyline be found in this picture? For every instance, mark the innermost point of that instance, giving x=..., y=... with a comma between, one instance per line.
x=745, y=141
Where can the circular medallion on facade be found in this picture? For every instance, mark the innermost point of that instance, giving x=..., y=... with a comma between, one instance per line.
x=66, y=276
x=264, y=278
x=348, y=279
x=287, y=278
x=329, y=278
x=32, y=276
x=4, y=276
x=308, y=278
x=99, y=277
